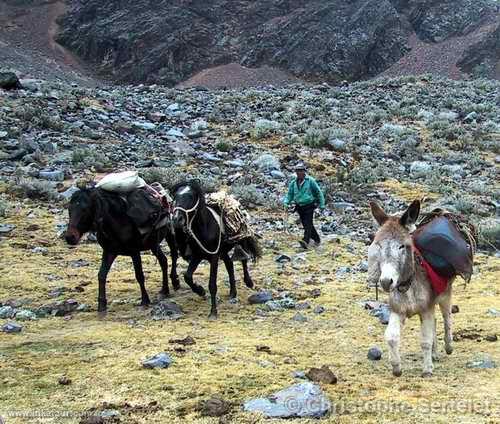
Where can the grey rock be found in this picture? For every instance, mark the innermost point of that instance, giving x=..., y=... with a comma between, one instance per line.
x=147, y=126
x=7, y=312
x=260, y=297
x=298, y=401
x=3, y=134
x=9, y=81
x=166, y=310
x=56, y=175
x=161, y=360
x=374, y=353
x=382, y=312
x=67, y=194
x=494, y=312
x=482, y=362
x=283, y=258
x=6, y=228
x=278, y=175
x=79, y=263
x=298, y=317
x=236, y=163
x=319, y=309
x=25, y=315
x=12, y=327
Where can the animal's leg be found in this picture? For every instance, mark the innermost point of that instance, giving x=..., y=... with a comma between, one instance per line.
x=106, y=262
x=214, y=264
x=230, y=272
x=427, y=329
x=139, y=276
x=435, y=355
x=246, y=275
x=188, y=276
x=174, y=255
x=393, y=338
x=162, y=259
x=445, y=306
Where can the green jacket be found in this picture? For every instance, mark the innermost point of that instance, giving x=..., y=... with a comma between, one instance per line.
x=308, y=193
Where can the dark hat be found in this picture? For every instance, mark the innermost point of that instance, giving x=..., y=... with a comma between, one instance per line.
x=300, y=167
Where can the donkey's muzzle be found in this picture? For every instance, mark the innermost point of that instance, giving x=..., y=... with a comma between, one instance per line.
x=178, y=219
x=72, y=237
x=386, y=284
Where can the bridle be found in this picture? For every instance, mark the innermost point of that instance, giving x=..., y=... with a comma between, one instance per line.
x=189, y=222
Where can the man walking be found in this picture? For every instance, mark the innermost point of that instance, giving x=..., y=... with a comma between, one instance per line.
x=305, y=193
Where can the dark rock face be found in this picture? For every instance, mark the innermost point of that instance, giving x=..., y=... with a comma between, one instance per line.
x=437, y=20
x=334, y=39
x=9, y=81
x=486, y=53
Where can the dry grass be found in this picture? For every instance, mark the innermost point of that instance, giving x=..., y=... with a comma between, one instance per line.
x=103, y=357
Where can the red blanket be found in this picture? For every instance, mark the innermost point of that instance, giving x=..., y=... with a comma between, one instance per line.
x=438, y=282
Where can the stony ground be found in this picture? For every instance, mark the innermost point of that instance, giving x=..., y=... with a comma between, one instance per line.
x=391, y=139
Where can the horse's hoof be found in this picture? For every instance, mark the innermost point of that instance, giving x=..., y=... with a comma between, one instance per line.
x=200, y=291
x=249, y=284
x=426, y=374
x=102, y=314
x=212, y=316
x=448, y=350
x=396, y=372
x=436, y=358
x=162, y=295
x=176, y=284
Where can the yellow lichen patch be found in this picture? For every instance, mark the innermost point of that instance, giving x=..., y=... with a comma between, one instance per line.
x=102, y=356
x=407, y=191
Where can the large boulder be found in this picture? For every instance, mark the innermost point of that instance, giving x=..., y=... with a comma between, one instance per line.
x=9, y=81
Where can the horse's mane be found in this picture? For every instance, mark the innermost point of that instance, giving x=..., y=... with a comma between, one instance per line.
x=194, y=185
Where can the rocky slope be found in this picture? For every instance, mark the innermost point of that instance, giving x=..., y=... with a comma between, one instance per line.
x=438, y=136
x=329, y=40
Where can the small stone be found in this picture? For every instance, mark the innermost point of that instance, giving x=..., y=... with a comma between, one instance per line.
x=161, y=360
x=147, y=126
x=262, y=348
x=186, y=341
x=79, y=263
x=494, y=312
x=303, y=306
x=7, y=312
x=12, y=327
x=484, y=362
x=298, y=317
x=455, y=309
x=319, y=309
x=491, y=338
x=52, y=175
x=64, y=381
x=260, y=297
x=6, y=228
x=166, y=310
x=322, y=375
x=374, y=353
x=282, y=258
x=299, y=374
x=83, y=307
x=214, y=407
x=25, y=315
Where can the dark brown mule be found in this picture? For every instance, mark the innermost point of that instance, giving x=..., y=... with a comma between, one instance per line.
x=105, y=213
x=391, y=262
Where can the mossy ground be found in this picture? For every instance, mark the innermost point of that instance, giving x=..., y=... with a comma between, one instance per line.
x=102, y=356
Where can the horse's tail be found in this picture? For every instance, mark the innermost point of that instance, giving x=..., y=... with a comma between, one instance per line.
x=252, y=246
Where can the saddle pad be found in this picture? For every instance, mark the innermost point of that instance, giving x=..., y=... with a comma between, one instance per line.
x=444, y=248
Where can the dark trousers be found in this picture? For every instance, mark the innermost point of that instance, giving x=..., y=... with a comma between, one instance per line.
x=306, y=214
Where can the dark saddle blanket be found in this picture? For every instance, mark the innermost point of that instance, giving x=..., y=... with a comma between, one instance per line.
x=447, y=243
x=143, y=206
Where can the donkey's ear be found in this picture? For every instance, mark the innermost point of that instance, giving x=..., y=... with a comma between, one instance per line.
x=411, y=214
x=378, y=213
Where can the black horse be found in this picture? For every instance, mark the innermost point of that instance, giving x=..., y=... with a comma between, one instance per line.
x=106, y=214
x=202, y=233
